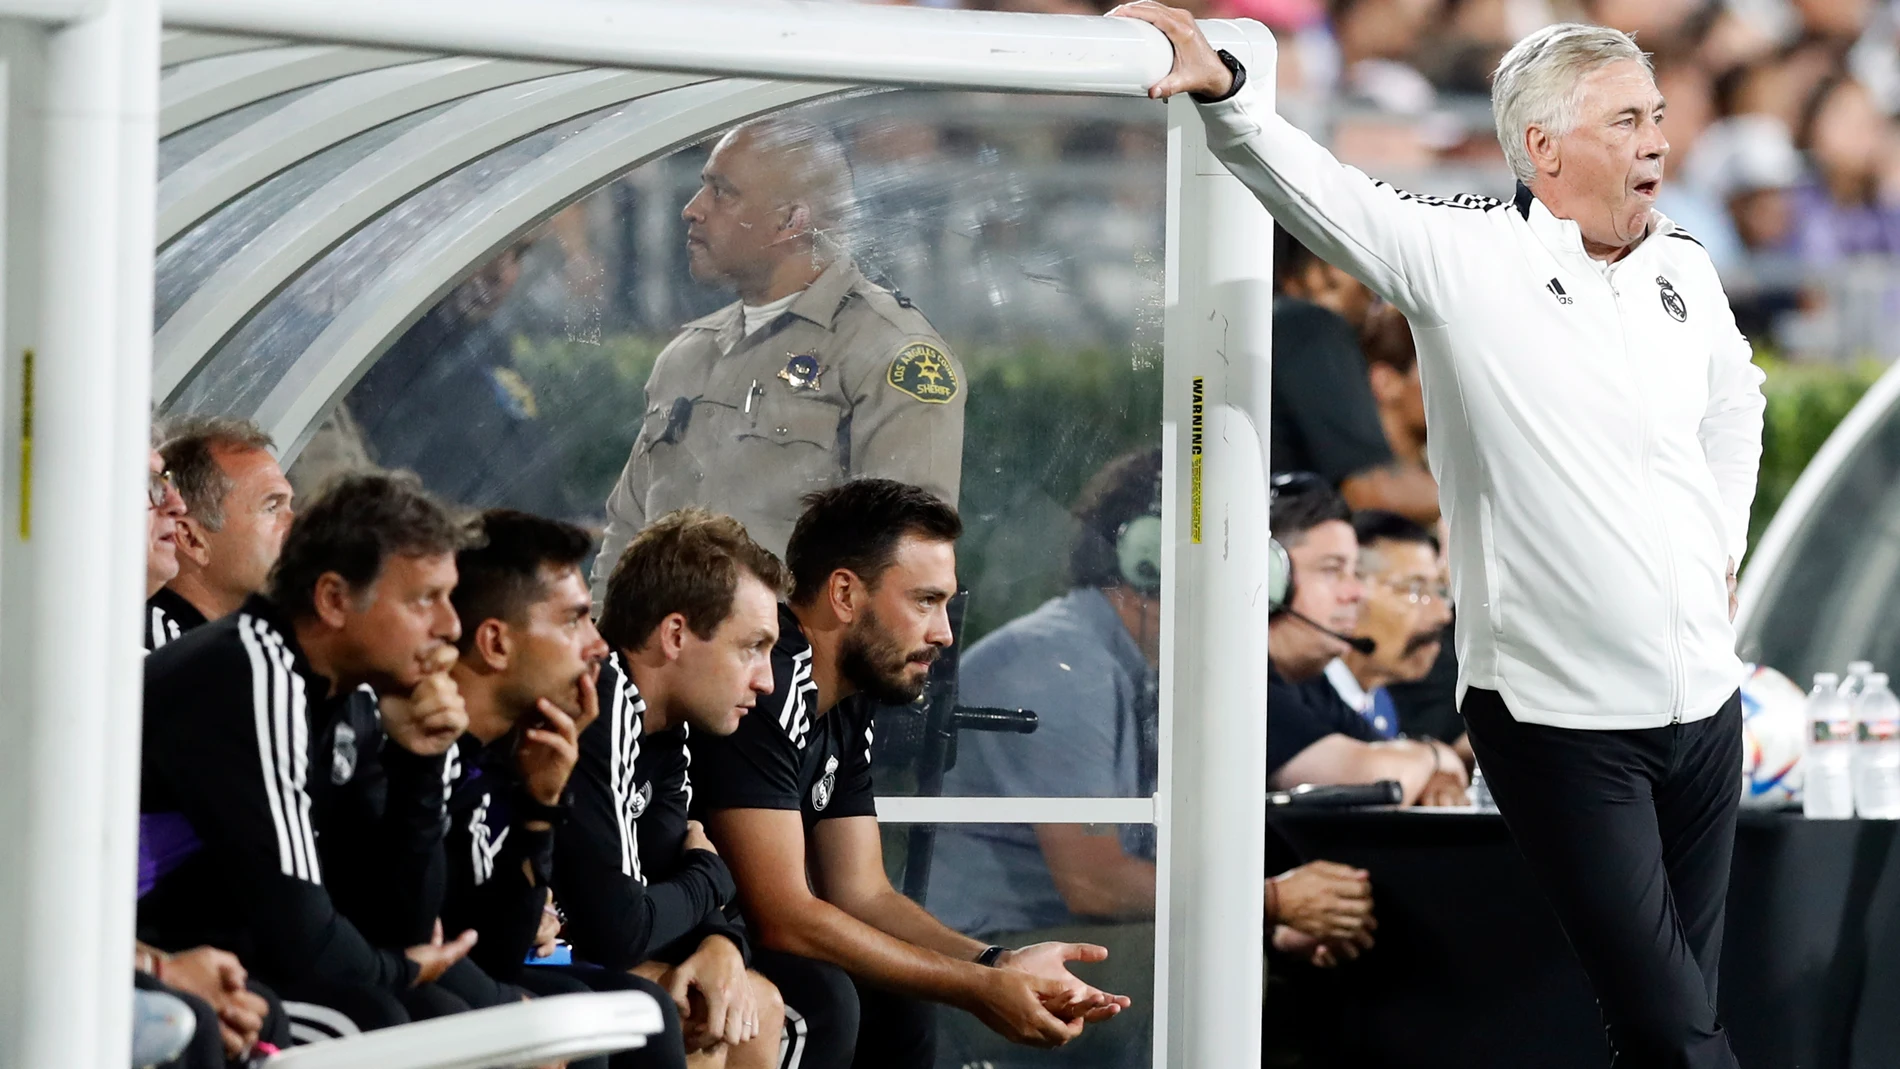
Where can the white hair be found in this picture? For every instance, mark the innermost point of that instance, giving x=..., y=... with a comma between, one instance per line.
x=1538, y=82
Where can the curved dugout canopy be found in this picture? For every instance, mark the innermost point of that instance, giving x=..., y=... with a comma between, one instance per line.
x=314, y=201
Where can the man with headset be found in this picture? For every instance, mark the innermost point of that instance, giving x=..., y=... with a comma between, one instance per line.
x=1085, y=662
x=1312, y=735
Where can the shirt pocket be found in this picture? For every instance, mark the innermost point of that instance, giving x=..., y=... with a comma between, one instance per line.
x=795, y=423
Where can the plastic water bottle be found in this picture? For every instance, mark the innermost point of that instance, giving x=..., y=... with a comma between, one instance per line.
x=1877, y=751
x=1480, y=792
x=1855, y=679
x=1827, y=765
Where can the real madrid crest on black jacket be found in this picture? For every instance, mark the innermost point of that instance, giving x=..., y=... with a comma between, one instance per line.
x=294, y=813
x=629, y=888
x=786, y=756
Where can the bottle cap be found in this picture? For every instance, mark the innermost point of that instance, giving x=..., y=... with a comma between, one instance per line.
x=1876, y=679
x=1826, y=679
x=1859, y=668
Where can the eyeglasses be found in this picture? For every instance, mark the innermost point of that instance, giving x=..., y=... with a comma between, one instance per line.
x=1417, y=592
x=159, y=488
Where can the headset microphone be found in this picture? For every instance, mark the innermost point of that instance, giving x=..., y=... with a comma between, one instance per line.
x=1360, y=644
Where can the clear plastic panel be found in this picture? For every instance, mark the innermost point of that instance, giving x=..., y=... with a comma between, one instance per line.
x=993, y=882
x=984, y=319
x=198, y=253
x=246, y=366
x=187, y=144
x=1833, y=599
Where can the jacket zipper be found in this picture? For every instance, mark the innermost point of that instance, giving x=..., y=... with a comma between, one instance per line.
x=1658, y=528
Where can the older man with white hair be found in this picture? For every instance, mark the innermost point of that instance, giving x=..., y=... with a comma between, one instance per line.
x=1596, y=429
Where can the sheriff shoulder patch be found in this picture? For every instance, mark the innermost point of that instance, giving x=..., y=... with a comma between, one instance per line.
x=924, y=372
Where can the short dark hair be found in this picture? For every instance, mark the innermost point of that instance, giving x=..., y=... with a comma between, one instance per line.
x=1301, y=502
x=857, y=526
x=359, y=522
x=1126, y=489
x=190, y=447
x=1387, y=339
x=505, y=571
x=1378, y=525
x=688, y=562
x=1291, y=258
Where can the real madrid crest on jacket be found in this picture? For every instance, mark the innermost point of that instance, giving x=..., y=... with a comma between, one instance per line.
x=849, y=381
x=785, y=755
x=629, y=888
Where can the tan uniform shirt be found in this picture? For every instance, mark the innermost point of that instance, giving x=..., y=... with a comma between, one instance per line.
x=851, y=381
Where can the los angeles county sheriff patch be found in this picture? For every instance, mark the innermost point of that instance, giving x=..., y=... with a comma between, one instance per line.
x=924, y=372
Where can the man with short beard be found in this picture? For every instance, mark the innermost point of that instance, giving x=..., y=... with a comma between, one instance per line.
x=787, y=799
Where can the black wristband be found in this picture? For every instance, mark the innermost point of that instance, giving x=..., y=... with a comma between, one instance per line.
x=987, y=959
x=1240, y=79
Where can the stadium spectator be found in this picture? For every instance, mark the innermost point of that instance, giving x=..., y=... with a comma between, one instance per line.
x=787, y=798
x=1843, y=212
x=237, y=511
x=1392, y=371
x=161, y=543
x=1325, y=419
x=249, y=726
x=1086, y=664
x=1405, y=613
x=1313, y=736
x=691, y=615
x=814, y=376
x=529, y=655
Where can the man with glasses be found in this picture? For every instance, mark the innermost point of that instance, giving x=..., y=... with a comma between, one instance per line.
x=1313, y=736
x=164, y=509
x=1405, y=614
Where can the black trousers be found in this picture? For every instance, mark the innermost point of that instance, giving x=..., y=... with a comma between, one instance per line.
x=1630, y=834
x=833, y=1022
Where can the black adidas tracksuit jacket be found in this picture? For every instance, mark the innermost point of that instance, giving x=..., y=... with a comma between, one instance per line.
x=629, y=888
x=300, y=811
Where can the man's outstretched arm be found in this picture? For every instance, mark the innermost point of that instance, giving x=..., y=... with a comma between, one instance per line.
x=1382, y=237
x=767, y=851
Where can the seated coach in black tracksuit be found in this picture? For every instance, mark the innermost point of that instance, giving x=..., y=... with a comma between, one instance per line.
x=529, y=655
x=690, y=616
x=787, y=798
x=255, y=730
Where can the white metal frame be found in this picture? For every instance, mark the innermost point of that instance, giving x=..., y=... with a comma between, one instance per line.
x=64, y=916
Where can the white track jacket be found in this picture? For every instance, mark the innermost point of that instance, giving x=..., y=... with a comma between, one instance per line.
x=1595, y=428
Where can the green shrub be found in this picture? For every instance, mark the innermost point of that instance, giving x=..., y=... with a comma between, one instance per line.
x=1805, y=403
x=1040, y=421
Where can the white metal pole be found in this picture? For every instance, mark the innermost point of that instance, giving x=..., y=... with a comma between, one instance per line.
x=785, y=39
x=1217, y=341
x=70, y=614
x=130, y=414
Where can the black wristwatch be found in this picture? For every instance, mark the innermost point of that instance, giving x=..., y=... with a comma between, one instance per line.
x=1240, y=79
x=990, y=954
